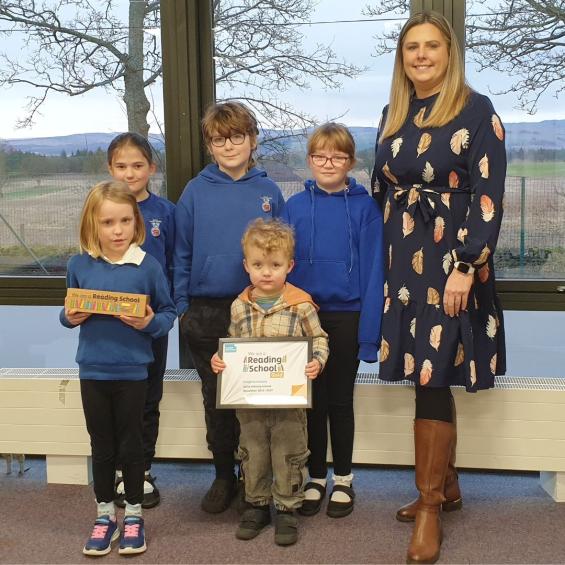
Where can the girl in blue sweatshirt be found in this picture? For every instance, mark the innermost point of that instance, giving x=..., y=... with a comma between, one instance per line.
x=211, y=216
x=339, y=262
x=130, y=159
x=114, y=353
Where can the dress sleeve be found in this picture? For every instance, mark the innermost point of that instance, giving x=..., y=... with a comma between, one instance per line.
x=377, y=190
x=487, y=173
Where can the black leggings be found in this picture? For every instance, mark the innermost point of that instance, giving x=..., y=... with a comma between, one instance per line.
x=434, y=403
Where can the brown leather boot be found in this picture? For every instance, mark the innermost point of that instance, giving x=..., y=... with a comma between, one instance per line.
x=453, y=500
x=433, y=443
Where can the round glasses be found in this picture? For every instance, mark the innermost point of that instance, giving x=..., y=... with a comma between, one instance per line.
x=336, y=160
x=220, y=140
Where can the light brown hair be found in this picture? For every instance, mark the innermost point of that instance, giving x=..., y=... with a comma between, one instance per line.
x=228, y=118
x=269, y=236
x=116, y=191
x=332, y=136
x=454, y=92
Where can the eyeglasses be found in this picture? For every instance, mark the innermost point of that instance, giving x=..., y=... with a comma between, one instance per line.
x=236, y=139
x=336, y=160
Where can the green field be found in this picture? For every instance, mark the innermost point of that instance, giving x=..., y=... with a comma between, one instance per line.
x=532, y=169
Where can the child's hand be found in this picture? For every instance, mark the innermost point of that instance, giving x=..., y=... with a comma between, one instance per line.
x=313, y=369
x=139, y=323
x=76, y=318
x=217, y=363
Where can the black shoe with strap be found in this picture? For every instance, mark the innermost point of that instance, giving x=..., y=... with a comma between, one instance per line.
x=311, y=507
x=286, y=528
x=253, y=520
x=151, y=499
x=219, y=495
x=340, y=509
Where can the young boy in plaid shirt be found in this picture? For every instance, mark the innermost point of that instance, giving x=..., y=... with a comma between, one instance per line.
x=273, y=443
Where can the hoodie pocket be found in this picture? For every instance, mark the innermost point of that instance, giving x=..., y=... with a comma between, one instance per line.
x=222, y=275
x=326, y=281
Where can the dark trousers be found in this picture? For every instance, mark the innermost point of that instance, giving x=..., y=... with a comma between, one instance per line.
x=155, y=374
x=114, y=419
x=333, y=397
x=205, y=322
x=434, y=403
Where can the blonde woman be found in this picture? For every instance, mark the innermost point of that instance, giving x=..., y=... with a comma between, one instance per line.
x=439, y=175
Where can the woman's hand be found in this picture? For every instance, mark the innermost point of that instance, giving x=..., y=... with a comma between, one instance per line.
x=139, y=323
x=456, y=292
x=313, y=369
x=217, y=364
x=76, y=318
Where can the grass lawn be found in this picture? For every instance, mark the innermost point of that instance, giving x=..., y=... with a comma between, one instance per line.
x=536, y=169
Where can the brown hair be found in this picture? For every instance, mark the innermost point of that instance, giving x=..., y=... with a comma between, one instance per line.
x=132, y=139
x=269, y=236
x=116, y=191
x=332, y=136
x=454, y=92
x=228, y=118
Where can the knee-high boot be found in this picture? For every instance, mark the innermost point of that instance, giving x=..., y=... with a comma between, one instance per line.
x=433, y=443
x=453, y=499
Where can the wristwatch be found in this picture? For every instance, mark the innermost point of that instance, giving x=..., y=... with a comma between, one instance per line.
x=464, y=268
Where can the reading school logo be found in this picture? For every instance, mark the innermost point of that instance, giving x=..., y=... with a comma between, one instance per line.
x=155, y=231
x=274, y=366
x=266, y=206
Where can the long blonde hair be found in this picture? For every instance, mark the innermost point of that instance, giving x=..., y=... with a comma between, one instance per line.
x=454, y=92
x=116, y=191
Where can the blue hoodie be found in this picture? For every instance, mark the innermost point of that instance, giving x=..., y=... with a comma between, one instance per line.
x=211, y=216
x=339, y=255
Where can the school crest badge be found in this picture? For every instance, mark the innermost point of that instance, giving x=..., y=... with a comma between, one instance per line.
x=155, y=229
x=266, y=206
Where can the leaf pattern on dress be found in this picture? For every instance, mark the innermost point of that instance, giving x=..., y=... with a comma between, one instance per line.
x=459, y=141
x=404, y=295
x=491, y=327
x=462, y=234
x=445, y=198
x=419, y=117
x=439, y=225
x=387, y=305
x=493, y=364
x=487, y=208
x=484, y=272
x=446, y=262
x=453, y=180
x=483, y=256
x=428, y=173
x=389, y=257
x=409, y=364
x=418, y=261
x=395, y=146
x=385, y=350
x=413, y=196
x=483, y=166
x=424, y=144
x=385, y=289
x=473, y=372
x=497, y=127
x=386, y=212
x=388, y=174
x=413, y=327
x=460, y=355
x=407, y=224
x=433, y=296
x=426, y=372
x=435, y=336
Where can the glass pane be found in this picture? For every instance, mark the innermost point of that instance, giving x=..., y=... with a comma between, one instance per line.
x=512, y=58
x=304, y=63
x=63, y=100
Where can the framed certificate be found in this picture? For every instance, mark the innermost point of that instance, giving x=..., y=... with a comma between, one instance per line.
x=265, y=372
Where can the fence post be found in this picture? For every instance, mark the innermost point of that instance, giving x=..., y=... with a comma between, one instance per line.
x=522, y=222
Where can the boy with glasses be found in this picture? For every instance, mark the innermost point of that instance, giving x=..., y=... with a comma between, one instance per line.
x=211, y=216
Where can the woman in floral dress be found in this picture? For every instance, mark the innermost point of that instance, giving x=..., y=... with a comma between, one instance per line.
x=439, y=175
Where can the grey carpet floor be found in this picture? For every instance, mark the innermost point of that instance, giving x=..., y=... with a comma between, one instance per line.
x=506, y=518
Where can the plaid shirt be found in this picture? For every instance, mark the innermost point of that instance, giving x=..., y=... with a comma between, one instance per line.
x=292, y=315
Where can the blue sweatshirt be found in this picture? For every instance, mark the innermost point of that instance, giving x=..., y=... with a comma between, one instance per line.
x=211, y=216
x=109, y=349
x=159, y=217
x=339, y=255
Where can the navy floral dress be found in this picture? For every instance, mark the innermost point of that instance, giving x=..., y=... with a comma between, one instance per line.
x=441, y=190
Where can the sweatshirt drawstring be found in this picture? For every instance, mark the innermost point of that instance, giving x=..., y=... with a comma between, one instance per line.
x=346, y=191
x=312, y=217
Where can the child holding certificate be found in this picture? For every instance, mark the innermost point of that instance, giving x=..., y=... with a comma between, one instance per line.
x=339, y=261
x=273, y=442
x=114, y=353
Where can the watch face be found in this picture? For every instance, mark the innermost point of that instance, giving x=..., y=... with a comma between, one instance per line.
x=462, y=267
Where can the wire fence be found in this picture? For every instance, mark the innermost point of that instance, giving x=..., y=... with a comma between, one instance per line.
x=39, y=222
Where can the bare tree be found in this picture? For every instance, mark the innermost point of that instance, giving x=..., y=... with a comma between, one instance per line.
x=75, y=46
x=524, y=39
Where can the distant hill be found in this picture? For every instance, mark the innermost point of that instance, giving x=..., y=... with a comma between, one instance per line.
x=548, y=134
